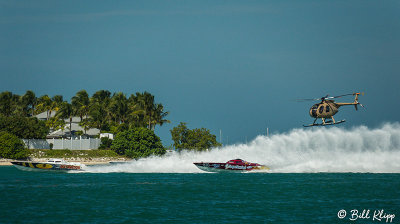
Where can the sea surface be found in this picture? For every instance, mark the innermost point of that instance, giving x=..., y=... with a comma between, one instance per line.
x=321, y=175
x=42, y=197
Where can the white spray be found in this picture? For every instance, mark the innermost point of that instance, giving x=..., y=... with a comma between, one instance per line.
x=301, y=150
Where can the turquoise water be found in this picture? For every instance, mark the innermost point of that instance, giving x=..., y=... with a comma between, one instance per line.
x=314, y=174
x=38, y=197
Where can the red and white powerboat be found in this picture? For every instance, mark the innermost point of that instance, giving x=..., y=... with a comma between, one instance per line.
x=232, y=165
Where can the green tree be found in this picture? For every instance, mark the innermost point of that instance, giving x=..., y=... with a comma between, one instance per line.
x=80, y=103
x=56, y=102
x=159, y=116
x=55, y=123
x=29, y=103
x=119, y=109
x=44, y=104
x=11, y=147
x=115, y=114
x=137, y=142
x=101, y=96
x=105, y=143
x=116, y=128
x=85, y=124
x=196, y=139
x=66, y=112
x=6, y=103
x=136, y=113
x=98, y=110
x=98, y=117
x=17, y=108
x=151, y=113
x=11, y=104
x=24, y=127
x=146, y=102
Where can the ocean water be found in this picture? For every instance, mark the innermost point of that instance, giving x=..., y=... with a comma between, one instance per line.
x=33, y=197
x=316, y=176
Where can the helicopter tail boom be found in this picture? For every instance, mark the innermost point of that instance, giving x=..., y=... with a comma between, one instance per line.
x=355, y=103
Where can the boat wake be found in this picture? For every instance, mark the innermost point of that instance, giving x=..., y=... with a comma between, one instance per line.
x=359, y=149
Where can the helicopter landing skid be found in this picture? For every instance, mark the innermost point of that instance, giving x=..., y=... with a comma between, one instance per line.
x=326, y=124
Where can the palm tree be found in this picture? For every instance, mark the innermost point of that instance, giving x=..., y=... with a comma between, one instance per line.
x=80, y=103
x=159, y=115
x=66, y=112
x=97, y=115
x=101, y=96
x=6, y=103
x=16, y=105
x=29, y=102
x=146, y=102
x=44, y=104
x=55, y=123
x=56, y=102
x=153, y=113
x=98, y=109
x=85, y=123
x=13, y=104
x=119, y=108
x=136, y=113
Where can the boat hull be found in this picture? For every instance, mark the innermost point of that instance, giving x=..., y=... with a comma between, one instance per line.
x=36, y=166
x=224, y=167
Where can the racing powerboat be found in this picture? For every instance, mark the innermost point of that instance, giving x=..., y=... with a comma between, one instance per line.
x=237, y=165
x=51, y=164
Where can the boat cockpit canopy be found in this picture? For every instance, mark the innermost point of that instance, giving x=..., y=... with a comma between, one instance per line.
x=55, y=161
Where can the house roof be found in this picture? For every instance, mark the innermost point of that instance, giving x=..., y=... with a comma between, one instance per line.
x=43, y=116
x=74, y=127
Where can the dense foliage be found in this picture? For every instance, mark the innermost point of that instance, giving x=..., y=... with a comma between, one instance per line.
x=105, y=143
x=195, y=139
x=11, y=147
x=137, y=142
x=24, y=127
x=102, y=110
x=133, y=120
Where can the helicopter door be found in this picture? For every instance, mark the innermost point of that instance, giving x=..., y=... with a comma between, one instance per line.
x=327, y=109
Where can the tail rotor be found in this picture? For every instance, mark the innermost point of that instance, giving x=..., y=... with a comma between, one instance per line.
x=356, y=103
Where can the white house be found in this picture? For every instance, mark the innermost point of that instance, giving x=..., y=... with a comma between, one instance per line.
x=107, y=135
x=66, y=132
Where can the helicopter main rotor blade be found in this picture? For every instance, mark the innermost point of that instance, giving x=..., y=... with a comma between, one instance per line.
x=350, y=94
x=301, y=100
x=327, y=97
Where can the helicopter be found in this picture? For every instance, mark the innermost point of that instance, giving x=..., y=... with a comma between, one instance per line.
x=327, y=108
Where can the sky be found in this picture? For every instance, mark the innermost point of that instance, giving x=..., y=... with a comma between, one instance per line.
x=234, y=67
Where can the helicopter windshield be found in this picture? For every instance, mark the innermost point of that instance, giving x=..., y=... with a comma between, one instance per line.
x=321, y=109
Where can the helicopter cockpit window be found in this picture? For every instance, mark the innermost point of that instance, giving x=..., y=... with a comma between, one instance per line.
x=327, y=109
x=321, y=109
x=314, y=107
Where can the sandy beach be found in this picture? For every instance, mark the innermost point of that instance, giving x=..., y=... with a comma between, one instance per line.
x=5, y=163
